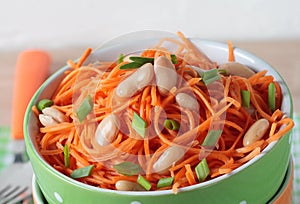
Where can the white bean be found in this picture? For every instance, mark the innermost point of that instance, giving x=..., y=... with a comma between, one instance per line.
x=165, y=73
x=107, y=130
x=170, y=156
x=47, y=120
x=52, y=116
x=136, y=81
x=186, y=101
x=237, y=69
x=256, y=131
x=123, y=185
x=55, y=114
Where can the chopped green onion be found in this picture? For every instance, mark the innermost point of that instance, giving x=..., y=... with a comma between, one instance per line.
x=85, y=108
x=131, y=65
x=210, y=76
x=139, y=125
x=174, y=59
x=211, y=138
x=164, y=182
x=245, y=98
x=128, y=168
x=82, y=172
x=143, y=182
x=121, y=58
x=171, y=124
x=44, y=103
x=67, y=156
x=271, y=97
x=210, y=80
x=209, y=73
x=222, y=71
x=202, y=170
x=142, y=60
x=137, y=62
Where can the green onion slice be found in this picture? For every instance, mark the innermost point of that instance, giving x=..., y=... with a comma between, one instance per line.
x=210, y=76
x=139, y=125
x=174, y=59
x=143, y=182
x=210, y=80
x=245, y=98
x=128, y=168
x=44, y=103
x=67, y=156
x=131, y=65
x=142, y=60
x=137, y=62
x=222, y=71
x=202, y=170
x=82, y=172
x=85, y=108
x=212, y=137
x=121, y=58
x=271, y=97
x=165, y=182
x=171, y=124
x=209, y=73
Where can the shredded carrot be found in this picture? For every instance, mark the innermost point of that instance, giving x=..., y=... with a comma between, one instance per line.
x=220, y=106
x=273, y=129
x=190, y=175
x=83, y=57
x=200, y=59
x=35, y=110
x=71, y=64
x=230, y=51
x=149, y=53
x=250, y=156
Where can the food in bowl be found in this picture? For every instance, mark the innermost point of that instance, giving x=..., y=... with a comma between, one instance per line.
x=158, y=120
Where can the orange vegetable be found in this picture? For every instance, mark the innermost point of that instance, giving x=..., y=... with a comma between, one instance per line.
x=32, y=69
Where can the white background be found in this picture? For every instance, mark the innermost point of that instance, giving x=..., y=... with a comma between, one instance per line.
x=61, y=23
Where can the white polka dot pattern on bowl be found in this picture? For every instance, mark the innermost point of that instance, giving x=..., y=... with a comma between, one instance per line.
x=58, y=197
x=135, y=202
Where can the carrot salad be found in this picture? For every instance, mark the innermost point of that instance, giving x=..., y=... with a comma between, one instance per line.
x=183, y=122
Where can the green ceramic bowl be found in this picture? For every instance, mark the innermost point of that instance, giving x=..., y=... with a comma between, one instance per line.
x=283, y=195
x=255, y=182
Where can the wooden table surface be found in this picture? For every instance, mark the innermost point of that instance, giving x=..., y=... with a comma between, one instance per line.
x=283, y=55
